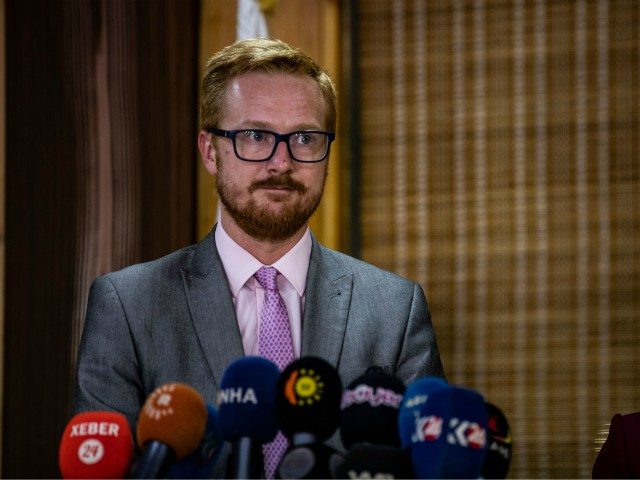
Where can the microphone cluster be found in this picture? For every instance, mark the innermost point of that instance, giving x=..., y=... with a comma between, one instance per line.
x=427, y=429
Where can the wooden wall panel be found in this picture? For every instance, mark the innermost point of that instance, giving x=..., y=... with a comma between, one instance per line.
x=217, y=29
x=40, y=244
x=315, y=28
x=99, y=175
x=3, y=160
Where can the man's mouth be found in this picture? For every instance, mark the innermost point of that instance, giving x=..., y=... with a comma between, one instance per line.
x=278, y=184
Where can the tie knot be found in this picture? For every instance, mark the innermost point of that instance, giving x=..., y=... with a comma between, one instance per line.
x=266, y=277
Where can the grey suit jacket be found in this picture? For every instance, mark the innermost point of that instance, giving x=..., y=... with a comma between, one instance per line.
x=173, y=320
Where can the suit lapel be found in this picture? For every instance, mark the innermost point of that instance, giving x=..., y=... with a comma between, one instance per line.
x=211, y=305
x=328, y=295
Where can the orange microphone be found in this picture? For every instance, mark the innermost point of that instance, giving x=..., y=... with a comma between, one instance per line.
x=96, y=445
x=170, y=426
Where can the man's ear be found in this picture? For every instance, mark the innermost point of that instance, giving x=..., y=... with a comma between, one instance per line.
x=205, y=145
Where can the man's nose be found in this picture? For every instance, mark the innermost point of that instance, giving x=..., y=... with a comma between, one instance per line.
x=281, y=159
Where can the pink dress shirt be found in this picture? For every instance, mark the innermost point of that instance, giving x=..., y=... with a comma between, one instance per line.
x=248, y=295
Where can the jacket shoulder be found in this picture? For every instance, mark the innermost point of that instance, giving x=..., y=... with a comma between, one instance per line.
x=163, y=268
x=366, y=272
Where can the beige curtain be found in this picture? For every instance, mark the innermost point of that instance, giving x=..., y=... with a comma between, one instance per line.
x=500, y=169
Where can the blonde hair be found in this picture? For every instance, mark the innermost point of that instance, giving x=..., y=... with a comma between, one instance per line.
x=259, y=55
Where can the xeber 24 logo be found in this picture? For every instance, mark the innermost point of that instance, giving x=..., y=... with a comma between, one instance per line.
x=91, y=450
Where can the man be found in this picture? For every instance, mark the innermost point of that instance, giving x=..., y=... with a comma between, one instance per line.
x=268, y=117
x=619, y=456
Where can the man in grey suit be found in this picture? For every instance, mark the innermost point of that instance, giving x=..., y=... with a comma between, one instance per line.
x=268, y=116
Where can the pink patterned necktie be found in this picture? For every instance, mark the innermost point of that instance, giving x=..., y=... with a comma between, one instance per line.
x=274, y=343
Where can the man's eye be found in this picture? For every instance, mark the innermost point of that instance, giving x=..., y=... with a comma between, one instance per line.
x=254, y=136
x=304, y=138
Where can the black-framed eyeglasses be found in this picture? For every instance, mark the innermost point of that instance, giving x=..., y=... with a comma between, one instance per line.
x=253, y=145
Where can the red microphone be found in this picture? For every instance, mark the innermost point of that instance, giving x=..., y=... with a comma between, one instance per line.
x=96, y=445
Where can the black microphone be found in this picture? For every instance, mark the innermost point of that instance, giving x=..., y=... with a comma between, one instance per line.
x=368, y=460
x=313, y=460
x=170, y=426
x=369, y=428
x=370, y=407
x=246, y=404
x=308, y=396
x=498, y=458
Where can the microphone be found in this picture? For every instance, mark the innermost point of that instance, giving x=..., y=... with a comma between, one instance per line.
x=415, y=396
x=96, y=445
x=308, y=397
x=370, y=406
x=200, y=462
x=369, y=428
x=368, y=460
x=449, y=434
x=308, y=408
x=170, y=426
x=313, y=460
x=498, y=459
x=246, y=402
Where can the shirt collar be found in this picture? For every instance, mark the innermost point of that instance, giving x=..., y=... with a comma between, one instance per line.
x=240, y=265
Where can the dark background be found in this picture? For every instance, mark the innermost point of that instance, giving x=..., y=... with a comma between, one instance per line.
x=80, y=156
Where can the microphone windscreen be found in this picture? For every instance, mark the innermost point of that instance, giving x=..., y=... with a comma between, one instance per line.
x=246, y=400
x=200, y=462
x=366, y=460
x=370, y=406
x=175, y=415
x=96, y=445
x=413, y=401
x=500, y=445
x=315, y=460
x=450, y=435
x=308, y=398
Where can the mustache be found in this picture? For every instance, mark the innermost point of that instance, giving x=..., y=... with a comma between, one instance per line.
x=278, y=182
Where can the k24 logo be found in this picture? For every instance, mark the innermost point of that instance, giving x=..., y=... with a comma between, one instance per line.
x=466, y=434
x=428, y=429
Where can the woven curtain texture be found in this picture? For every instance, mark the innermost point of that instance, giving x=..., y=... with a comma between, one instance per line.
x=501, y=170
